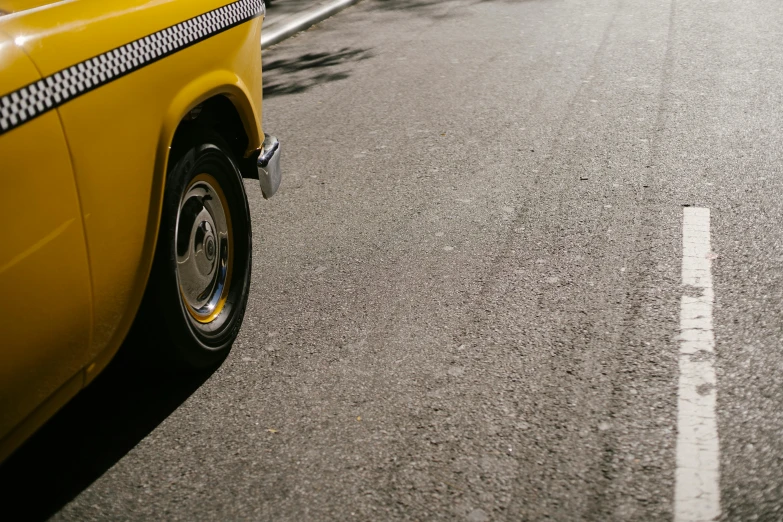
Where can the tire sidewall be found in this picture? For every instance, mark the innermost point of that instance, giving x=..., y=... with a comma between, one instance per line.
x=195, y=343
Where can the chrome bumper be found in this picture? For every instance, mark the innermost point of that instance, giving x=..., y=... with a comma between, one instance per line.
x=269, y=166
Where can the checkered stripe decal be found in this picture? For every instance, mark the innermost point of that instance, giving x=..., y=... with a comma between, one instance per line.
x=49, y=93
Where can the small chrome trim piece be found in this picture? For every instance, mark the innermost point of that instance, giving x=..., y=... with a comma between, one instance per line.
x=268, y=164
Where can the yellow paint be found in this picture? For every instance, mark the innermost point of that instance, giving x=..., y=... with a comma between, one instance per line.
x=37, y=246
x=44, y=272
x=99, y=161
x=20, y=6
x=49, y=407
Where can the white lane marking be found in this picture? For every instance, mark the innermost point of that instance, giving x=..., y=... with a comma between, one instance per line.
x=697, y=478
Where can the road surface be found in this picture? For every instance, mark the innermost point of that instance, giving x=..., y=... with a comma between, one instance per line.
x=471, y=295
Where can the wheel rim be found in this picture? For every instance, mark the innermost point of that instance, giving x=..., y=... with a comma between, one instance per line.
x=204, y=248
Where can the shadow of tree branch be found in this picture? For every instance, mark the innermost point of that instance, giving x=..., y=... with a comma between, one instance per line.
x=297, y=74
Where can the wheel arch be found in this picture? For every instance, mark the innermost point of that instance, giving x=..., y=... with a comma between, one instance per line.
x=229, y=106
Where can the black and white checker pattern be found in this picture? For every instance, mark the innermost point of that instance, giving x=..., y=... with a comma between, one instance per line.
x=49, y=93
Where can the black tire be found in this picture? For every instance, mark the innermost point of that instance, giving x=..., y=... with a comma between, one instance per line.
x=173, y=327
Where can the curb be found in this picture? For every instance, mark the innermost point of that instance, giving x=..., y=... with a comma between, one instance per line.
x=276, y=33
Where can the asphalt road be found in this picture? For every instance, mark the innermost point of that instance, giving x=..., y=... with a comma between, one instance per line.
x=466, y=295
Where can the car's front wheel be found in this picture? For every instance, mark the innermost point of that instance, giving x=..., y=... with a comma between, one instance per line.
x=198, y=289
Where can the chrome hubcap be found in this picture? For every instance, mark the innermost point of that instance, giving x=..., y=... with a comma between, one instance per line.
x=203, y=236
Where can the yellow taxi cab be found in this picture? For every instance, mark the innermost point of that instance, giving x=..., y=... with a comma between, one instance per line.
x=126, y=128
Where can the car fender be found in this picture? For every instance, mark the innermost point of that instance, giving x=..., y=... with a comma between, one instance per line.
x=213, y=83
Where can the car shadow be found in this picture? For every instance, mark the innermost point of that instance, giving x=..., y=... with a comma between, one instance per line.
x=90, y=434
x=295, y=74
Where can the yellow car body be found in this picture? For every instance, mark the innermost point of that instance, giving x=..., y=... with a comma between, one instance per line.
x=91, y=94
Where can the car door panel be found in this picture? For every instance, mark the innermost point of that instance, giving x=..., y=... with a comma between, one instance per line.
x=44, y=273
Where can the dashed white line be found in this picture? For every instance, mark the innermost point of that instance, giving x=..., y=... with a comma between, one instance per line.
x=697, y=479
